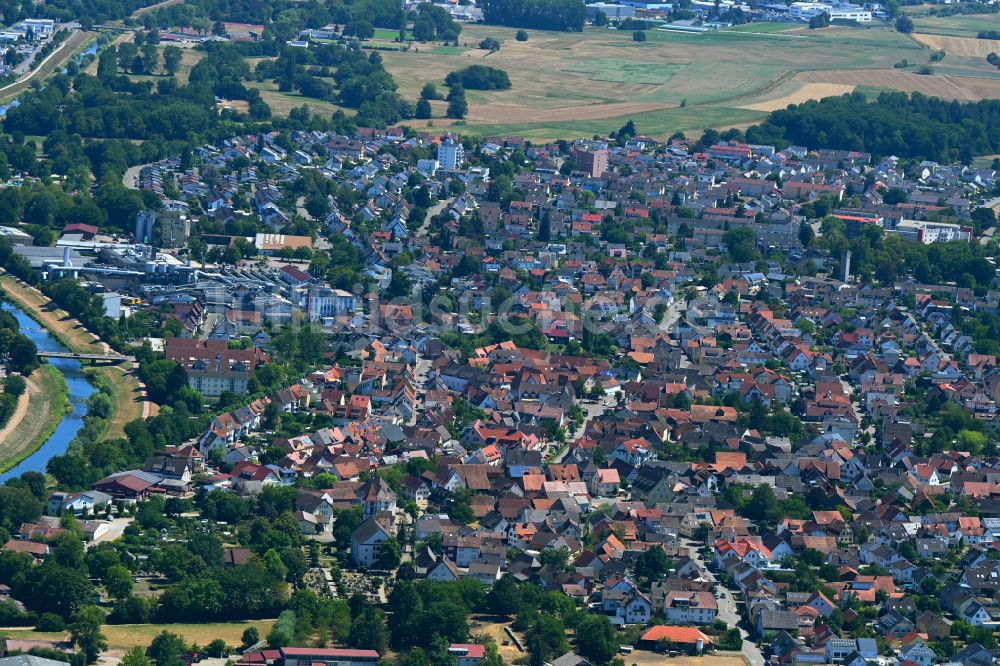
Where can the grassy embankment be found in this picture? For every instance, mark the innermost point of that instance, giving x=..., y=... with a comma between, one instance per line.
x=127, y=405
x=77, y=42
x=38, y=412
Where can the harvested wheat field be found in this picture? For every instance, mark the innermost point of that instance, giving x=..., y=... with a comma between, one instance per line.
x=963, y=88
x=500, y=113
x=805, y=92
x=960, y=46
x=565, y=84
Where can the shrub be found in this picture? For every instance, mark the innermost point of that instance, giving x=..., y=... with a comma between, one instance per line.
x=14, y=384
x=50, y=622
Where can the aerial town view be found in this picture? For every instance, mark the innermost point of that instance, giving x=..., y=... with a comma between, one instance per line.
x=499, y=332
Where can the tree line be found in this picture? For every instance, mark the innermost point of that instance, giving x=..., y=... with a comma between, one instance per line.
x=910, y=126
x=540, y=14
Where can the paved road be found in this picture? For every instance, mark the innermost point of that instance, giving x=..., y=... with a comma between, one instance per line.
x=727, y=608
x=436, y=209
x=420, y=371
x=59, y=56
x=130, y=178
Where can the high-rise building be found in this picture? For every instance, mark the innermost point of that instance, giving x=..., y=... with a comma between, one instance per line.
x=450, y=154
x=591, y=161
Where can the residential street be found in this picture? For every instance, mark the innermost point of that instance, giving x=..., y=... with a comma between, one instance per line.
x=728, y=612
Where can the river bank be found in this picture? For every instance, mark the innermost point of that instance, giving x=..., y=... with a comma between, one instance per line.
x=52, y=425
x=126, y=394
x=47, y=395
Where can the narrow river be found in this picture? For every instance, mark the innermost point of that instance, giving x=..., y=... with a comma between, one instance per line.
x=79, y=390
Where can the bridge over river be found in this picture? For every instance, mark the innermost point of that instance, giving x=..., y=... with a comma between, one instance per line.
x=93, y=358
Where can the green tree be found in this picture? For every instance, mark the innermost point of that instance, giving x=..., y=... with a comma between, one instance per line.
x=118, y=582
x=546, y=639
x=505, y=597
x=168, y=649
x=653, y=564
x=250, y=637
x=85, y=631
x=595, y=639
x=368, y=631
x=429, y=91
x=458, y=107
x=359, y=29
x=172, y=56
x=136, y=657
x=904, y=24
x=389, y=555
x=56, y=589
x=521, y=35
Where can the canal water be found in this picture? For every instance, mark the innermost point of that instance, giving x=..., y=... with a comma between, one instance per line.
x=79, y=390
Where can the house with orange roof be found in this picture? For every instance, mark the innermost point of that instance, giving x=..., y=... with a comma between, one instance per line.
x=689, y=637
x=743, y=549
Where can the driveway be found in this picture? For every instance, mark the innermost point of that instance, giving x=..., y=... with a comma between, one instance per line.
x=117, y=528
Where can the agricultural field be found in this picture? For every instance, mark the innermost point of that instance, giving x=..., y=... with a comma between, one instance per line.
x=959, y=26
x=568, y=84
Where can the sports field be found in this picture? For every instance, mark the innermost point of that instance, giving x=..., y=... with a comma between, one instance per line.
x=571, y=84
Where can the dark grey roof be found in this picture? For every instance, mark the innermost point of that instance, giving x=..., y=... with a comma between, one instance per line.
x=30, y=660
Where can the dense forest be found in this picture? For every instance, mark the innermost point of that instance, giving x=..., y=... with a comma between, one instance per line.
x=538, y=14
x=908, y=126
x=87, y=12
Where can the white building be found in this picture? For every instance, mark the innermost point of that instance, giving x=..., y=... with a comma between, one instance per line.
x=806, y=10
x=428, y=167
x=450, y=154
x=932, y=232
x=837, y=12
x=323, y=302
x=850, y=13
x=43, y=28
x=366, y=542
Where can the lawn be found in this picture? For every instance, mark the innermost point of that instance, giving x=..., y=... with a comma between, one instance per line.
x=121, y=637
x=388, y=35
x=568, y=84
x=282, y=103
